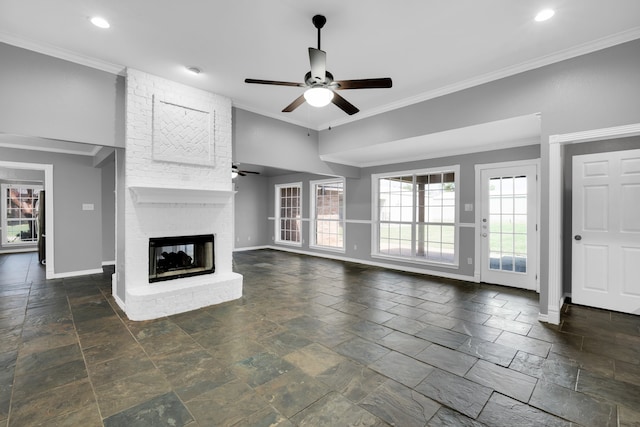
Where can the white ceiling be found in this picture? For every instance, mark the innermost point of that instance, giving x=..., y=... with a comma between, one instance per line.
x=428, y=47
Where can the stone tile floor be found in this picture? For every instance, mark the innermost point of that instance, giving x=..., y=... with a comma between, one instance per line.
x=313, y=342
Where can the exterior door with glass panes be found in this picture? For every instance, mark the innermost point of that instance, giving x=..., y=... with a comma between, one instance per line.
x=508, y=225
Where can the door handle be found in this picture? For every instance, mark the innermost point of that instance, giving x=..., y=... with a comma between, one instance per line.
x=484, y=234
x=577, y=237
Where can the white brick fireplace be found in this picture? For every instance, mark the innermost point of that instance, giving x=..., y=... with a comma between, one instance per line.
x=177, y=182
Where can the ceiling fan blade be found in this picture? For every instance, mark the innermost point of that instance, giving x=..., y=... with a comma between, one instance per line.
x=273, y=82
x=295, y=104
x=245, y=172
x=382, y=83
x=344, y=105
x=318, y=60
x=241, y=173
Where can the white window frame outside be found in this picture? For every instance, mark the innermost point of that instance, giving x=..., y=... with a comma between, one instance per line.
x=3, y=216
x=341, y=221
x=375, y=226
x=278, y=217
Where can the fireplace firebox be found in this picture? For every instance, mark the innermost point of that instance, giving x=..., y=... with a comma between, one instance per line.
x=176, y=257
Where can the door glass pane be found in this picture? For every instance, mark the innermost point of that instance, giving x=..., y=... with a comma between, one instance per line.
x=508, y=224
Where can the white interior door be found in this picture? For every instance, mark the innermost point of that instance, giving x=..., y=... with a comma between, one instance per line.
x=508, y=226
x=606, y=231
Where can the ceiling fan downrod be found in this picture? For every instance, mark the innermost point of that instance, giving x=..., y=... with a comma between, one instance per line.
x=318, y=22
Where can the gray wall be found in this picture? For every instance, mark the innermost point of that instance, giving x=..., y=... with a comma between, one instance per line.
x=575, y=150
x=251, y=211
x=52, y=98
x=593, y=91
x=20, y=176
x=267, y=142
x=108, y=178
x=358, y=199
x=77, y=233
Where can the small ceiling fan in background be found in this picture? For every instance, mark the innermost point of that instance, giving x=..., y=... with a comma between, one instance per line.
x=235, y=171
x=320, y=84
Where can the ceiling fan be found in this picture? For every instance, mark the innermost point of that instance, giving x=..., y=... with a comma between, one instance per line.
x=320, y=84
x=235, y=171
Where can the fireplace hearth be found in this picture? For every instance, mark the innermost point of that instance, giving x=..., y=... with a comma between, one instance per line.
x=176, y=257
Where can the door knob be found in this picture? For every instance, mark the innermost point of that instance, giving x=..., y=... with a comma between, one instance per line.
x=484, y=234
x=577, y=237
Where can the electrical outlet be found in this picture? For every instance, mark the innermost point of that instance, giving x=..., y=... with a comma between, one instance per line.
x=469, y=261
x=249, y=238
x=355, y=247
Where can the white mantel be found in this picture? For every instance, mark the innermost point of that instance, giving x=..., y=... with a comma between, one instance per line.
x=158, y=195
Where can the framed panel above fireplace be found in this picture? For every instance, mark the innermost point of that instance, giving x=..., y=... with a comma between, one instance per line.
x=177, y=257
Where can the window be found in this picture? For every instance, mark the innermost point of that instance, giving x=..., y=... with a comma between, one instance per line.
x=417, y=215
x=288, y=213
x=327, y=210
x=19, y=214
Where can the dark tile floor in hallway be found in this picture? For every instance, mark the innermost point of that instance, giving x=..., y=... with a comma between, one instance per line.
x=313, y=342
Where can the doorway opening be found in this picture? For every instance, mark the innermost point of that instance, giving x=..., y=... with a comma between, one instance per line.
x=48, y=189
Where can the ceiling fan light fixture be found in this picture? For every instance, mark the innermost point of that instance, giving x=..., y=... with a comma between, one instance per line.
x=318, y=96
x=100, y=22
x=545, y=14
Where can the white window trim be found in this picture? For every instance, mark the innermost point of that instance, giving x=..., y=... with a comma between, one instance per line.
x=3, y=214
x=312, y=207
x=375, y=197
x=277, y=188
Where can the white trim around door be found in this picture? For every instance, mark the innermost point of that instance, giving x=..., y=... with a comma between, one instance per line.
x=48, y=214
x=555, y=297
x=533, y=164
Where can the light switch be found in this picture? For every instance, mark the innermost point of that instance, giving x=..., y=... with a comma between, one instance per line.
x=87, y=206
x=468, y=207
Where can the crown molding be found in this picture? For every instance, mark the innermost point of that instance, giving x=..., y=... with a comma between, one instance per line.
x=563, y=55
x=67, y=55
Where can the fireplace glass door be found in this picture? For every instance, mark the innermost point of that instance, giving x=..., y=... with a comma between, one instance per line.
x=177, y=257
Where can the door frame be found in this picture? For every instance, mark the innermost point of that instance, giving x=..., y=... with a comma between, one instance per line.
x=48, y=213
x=478, y=220
x=555, y=296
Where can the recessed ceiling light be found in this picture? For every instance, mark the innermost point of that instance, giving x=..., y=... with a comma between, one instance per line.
x=194, y=70
x=100, y=22
x=543, y=15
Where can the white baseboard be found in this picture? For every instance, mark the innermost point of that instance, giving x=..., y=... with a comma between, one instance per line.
x=553, y=315
x=378, y=264
x=119, y=302
x=105, y=263
x=251, y=248
x=16, y=251
x=76, y=273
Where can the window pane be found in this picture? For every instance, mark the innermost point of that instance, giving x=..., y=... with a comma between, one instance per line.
x=448, y=234
x=507, y=186
x=289, y=210
x=417, y=207
x=449, y=214
x=21, y=213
